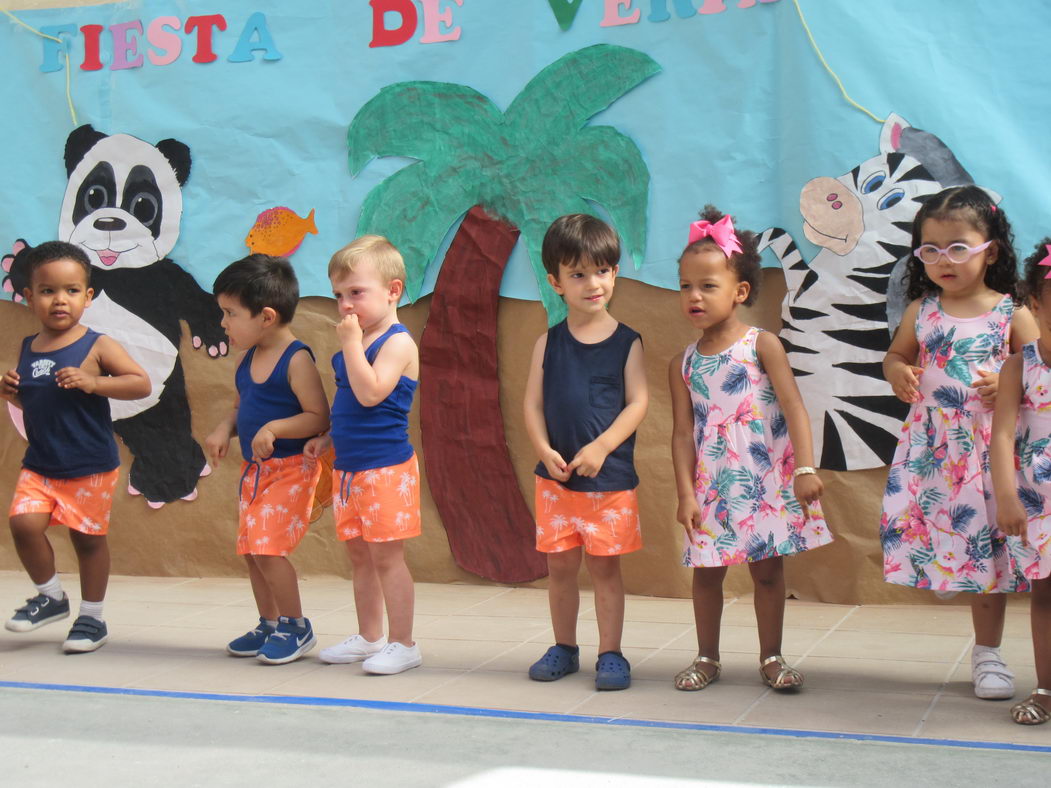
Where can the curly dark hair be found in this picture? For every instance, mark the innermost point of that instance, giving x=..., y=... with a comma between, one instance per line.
x=1036, y=274
x=745, y=264
x=973, y=205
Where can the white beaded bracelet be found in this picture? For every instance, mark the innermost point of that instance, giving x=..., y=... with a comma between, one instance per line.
x=803, y=470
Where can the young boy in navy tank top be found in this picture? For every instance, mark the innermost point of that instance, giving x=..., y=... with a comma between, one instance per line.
x=585, y=397
x=65, y=377
x=280, y=405
x=375, y=478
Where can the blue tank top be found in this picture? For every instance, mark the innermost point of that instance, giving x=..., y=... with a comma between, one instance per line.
x=583, y=395
x=377, y=437
x=266, y=401
x=70, y=432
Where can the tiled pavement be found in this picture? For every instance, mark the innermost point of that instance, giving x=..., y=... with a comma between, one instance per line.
x=891, y=670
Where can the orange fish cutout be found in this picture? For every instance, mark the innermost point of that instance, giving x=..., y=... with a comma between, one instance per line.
x=279, y=231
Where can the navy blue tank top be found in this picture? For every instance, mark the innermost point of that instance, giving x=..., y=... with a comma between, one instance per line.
x=583, y=395
x=376, y=437
x=272, y=399
x=70, y=432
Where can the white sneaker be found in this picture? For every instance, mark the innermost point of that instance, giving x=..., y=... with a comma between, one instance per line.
x=991, y=677
x=394, y=658
x=353, y=649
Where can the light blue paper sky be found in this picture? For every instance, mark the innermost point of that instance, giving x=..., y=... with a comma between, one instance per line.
x=742, y=114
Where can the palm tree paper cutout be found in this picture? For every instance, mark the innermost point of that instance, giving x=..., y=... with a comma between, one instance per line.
x=512, y=173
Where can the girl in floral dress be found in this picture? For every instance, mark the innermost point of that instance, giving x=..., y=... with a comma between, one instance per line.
x=1022, y=440
x=737, y=416
x=938, y=528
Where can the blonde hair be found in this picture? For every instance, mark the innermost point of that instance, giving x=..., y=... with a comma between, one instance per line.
x=376, y=249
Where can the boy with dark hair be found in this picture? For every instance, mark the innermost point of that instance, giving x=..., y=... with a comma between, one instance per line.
x=65, y=376
x=280, y=404
x=585, y=397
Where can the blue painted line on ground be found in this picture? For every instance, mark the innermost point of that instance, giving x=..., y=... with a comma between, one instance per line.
x=471, y=711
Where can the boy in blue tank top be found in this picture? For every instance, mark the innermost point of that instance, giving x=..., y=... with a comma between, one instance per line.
x=585, y=397
x=375, y=478
x=65, y=377
x=280, y=404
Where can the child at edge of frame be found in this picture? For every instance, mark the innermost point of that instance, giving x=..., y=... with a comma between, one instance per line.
x=585, y=396
x=280, y=404
x=65, y=377
x=376, y=475
x=1019, y=449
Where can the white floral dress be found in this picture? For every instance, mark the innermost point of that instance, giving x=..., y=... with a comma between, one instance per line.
x=938, y=528
x=745, y=461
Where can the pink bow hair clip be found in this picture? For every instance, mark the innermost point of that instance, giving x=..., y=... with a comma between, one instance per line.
x=1046, y=261
x=722, y=232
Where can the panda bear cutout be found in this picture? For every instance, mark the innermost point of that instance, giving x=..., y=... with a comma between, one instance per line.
x=122, y=206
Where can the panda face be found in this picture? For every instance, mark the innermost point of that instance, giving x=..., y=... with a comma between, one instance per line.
x=123, y=204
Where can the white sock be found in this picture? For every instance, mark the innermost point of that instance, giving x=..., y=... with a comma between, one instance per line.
x=52, y=588
x=93, y=609
x=271, y=624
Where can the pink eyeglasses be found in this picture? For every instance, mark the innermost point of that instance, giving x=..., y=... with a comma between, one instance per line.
x=958, y=253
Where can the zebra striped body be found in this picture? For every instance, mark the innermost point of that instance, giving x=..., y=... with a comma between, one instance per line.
x=834, y=316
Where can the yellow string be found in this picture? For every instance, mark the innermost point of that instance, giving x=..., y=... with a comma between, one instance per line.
x=69, y=90
x=828, y=68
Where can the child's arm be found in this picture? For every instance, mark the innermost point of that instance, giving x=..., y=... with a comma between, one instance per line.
x=1023, y=328
x=590, y=458
x=683, y=450
x=9, y=388
x=807, y=487
x=373, y=383
x=536, y=427
x=218, y=441
x=1023, y=331
x=305, y=381
x=1010, y=514
x=898, y=369
x=120, y=376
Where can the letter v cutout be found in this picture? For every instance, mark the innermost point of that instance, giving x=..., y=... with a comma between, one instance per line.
x=565, y=11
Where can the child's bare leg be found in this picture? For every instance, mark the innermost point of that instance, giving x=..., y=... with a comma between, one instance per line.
x=280, y=578
x=987, y=614
x=1040, y=618
x=368, y=593
x=768, y=576
x=609, y=600
x=29, y=532
x=708, y=610
x=264, y=599
x=563, y=594
x=398, y=592
x=93, y=559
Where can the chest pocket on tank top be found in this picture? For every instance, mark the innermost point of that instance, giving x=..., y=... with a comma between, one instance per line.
x=604, y=392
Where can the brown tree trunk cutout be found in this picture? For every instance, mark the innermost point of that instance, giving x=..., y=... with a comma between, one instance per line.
x=491, y=531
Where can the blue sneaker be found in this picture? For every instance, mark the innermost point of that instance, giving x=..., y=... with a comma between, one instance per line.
x=288, y=642
x=36, y=612
x=86, y=634
x=250, y=642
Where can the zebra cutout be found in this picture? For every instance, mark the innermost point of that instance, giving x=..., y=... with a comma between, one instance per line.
x=835, y=325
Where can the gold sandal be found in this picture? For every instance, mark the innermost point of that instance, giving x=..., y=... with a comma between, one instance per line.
x=787, y=678
x=1029, y=712
x=693, y=678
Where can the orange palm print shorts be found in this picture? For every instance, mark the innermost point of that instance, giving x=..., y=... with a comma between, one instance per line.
x=276, y=497
x=379, y=505
x=83, y=504
x=604, y=523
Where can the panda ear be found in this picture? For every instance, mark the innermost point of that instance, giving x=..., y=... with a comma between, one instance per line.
x=178, y=155
x=78, y=143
